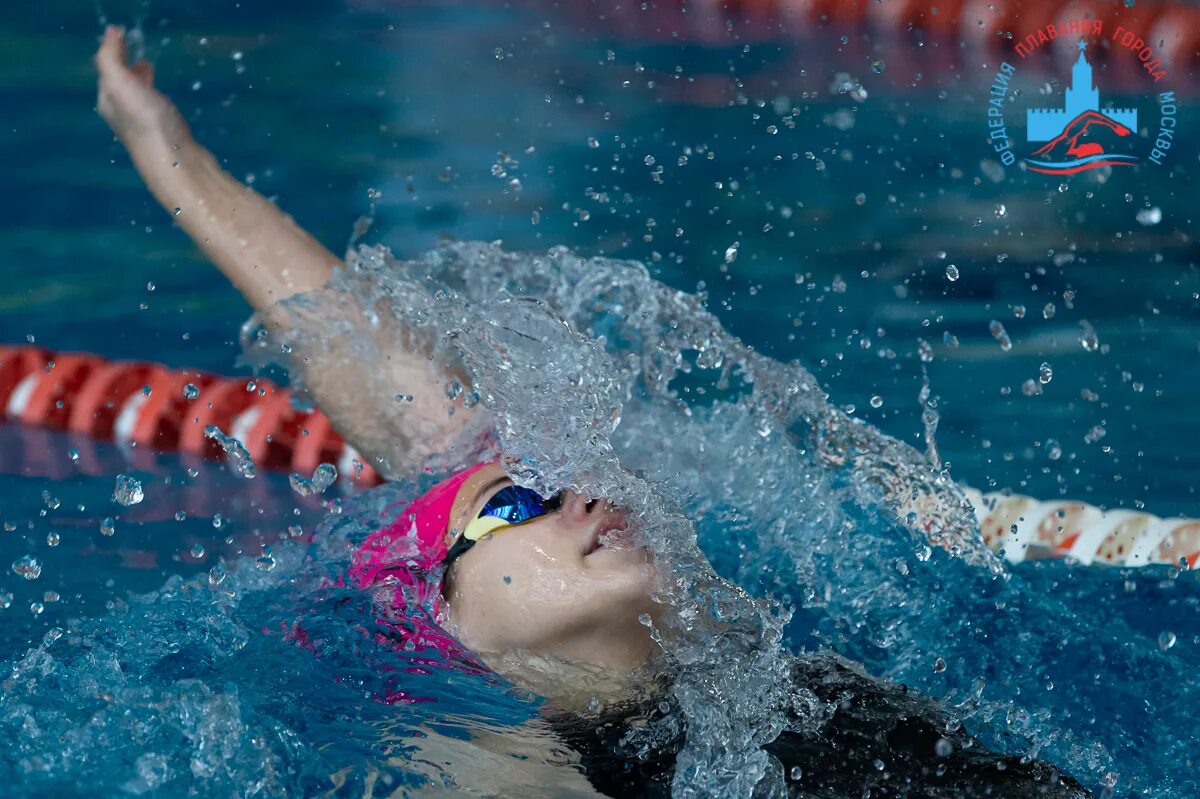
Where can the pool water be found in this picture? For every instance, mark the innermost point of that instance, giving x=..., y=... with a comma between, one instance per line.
x=541, y=127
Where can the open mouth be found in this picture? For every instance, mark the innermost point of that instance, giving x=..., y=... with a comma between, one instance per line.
x=612, y=533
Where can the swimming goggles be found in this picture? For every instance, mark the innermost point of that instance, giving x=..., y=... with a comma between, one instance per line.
x=508, y=507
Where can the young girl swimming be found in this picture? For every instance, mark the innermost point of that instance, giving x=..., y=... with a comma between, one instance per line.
x=552, y=593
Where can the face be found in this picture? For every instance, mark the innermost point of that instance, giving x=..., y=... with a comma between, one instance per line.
x=569, y=584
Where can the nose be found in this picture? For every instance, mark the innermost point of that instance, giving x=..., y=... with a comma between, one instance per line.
x=574, y=507
x=578, y=509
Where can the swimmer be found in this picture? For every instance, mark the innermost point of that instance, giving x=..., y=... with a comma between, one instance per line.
x=545, y=591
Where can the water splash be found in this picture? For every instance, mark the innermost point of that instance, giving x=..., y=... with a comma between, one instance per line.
x=581, y=365
x=236, y=454
x=206, y=687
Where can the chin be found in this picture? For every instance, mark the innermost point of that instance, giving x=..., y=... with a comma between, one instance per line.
x=630, y=579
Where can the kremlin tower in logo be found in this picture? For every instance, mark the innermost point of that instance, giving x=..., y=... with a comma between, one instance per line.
x=1078, y=134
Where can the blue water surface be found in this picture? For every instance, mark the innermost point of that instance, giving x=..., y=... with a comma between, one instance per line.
x=826, y=239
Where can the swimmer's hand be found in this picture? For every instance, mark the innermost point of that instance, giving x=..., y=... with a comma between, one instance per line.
x=137, y=112
x=258, y=247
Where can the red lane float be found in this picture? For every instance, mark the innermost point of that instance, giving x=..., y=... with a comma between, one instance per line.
x=151, y=407
x=911, y=36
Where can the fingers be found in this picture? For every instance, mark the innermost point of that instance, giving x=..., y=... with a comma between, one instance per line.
x=111, y=54
x=112, y=58
x=144, y=71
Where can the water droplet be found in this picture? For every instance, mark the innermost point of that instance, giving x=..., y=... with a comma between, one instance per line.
x=1166, y=640
x=216, y=575
x=236, y=454
x=1087, y=336
x=190, y=391
x=1149, y=216
x=878, y=66
x=950, y=340
x=36, y=608
x=73, y=455
x=943, y=748
x=1045, y=373
x=6, y=600
x=295, y=531
x=266, y=561
x=939, y=666
x=128, y=491
x=1000, y=334
x=197, y=551
x=52, y=539
x=1053, y=449
x=860, y=199
x=323, y=477
x=28, y=567
x=301, y=485
x=1000, y=210
x=731, y=252
x=952, y=273
x=218, y=521
x=876, y=401
x=108, y=526
x=1048, y=311
x=50, y=596
x=796, y=773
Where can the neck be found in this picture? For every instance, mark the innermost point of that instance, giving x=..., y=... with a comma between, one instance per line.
x=577, y=687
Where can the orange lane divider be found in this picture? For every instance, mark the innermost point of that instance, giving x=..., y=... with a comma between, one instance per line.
x=150, y=406
x=1171, y=27
x=913, y=47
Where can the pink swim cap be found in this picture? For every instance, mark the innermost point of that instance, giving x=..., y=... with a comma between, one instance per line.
x=403, y=553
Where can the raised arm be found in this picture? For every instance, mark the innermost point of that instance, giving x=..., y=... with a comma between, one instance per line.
x=269, y=258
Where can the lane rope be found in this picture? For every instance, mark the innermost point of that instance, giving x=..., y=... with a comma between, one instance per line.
x=146, y=405
x=135, y=404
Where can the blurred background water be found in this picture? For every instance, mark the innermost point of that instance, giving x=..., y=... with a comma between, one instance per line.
x=822, y=222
